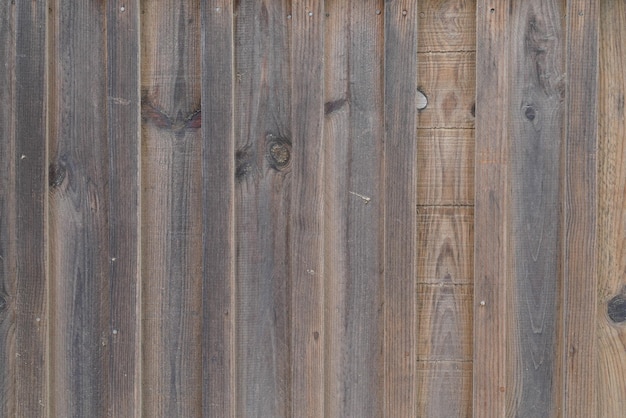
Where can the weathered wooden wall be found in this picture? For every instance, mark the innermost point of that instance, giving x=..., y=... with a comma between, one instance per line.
x=279, y=208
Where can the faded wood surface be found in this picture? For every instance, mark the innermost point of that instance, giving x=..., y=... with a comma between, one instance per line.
x=447, y=25
x=611, y=313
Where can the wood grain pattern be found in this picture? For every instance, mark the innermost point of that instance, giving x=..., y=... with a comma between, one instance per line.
x=535, y=130
x=124, y=119
x=491, y=212
x=611, y=343
x=444, y=389
x=399, y=311
x=306, y=221
x=218, y=173
x=80, y=212
x=447, y=25
x=353, y=206
x=263, y=200
x=448, y=81
x=445, y=167
x=172, y=198
x=579, y=208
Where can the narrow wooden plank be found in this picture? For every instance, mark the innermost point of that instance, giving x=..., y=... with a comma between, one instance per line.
x=24, y=321
x=445, y=242
x=262, y=203
x=353, y=129
x=172, y=214
x=400, y=348
x=445, y=167
x=444, y=312
x=306, y=220
x=535, y=130
x=218, y=174
x=579, y=207
x=611, y=344
x=124, y=118
x=80, y=211
x=444, y=389
x=491, y=217
x=448, y=82
x=447, y=25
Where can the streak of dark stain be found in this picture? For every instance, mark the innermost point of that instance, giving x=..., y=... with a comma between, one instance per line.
x=3, y=303
x=617, y=308
x=177, y=125
x=473, y=109
x=620, y=103
x=316, y=335
x=243, y=163
x=278, y=152
x=56, y=174
x=335, y=105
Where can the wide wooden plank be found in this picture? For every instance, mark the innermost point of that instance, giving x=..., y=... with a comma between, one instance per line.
x=447, y=25
x=80, y=211
x=444, y=389
x=24, y=322
x=124, y=118
x=445, y=167
x=262, y=207
x=535, y=129
x=306, y=215
x=579, y=208
x=353, y=132
x=399, y=309
x=447, y=80
x=172, y=202
x=218, y=185
x=491, y=213
x=611, y=314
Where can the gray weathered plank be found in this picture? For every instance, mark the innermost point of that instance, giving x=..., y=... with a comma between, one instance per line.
x=353, y=205
x=400, y=232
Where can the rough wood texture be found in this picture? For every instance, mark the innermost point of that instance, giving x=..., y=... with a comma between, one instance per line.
x=24, y=322
x=611, y=313
x=306, y=221
x=535, y=119
x=447, y=25
x=399, y=309
x=491, y=212
x=354, y=200
x=263, y=148
x=579, y=208
x=445, y=167
x=444, y=389
x=218, y=171
x=80, y=212
x=171, y=213
x=448, y=82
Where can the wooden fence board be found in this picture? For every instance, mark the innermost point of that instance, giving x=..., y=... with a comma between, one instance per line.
x=353, y=131
x=171, y=209
x=444, y=389
x=447, y=25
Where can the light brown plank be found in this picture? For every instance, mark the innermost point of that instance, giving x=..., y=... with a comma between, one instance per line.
x=445, y=167
x=262, y=204
x=124, y=119
x=353, y=205
x=218, y=173
x=171, y=213
x=448, y=82
x=399, y=310
x=579, y=207
x=611, y=314
x=447, y=25
x=444, y=389
x=306, y=216
x=80, y=211
x=491, y=217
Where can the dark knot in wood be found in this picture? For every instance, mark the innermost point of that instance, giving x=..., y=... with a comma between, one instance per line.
x=56, y=174
x=278, y=153
x=530, y=113
x=617, y=308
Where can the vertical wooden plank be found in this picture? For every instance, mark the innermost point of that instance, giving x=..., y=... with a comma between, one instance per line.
x=306, y=221
x=262, y=202
x=535, y=123
x=124, y=116
x=218, y=184
x=23, y=223
x=579, y=208
x=491, y=217
x=400, y=232
x=611, y=314
x=171, y=208
x=79, y=210
x=353, y=133
x=447, y=25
